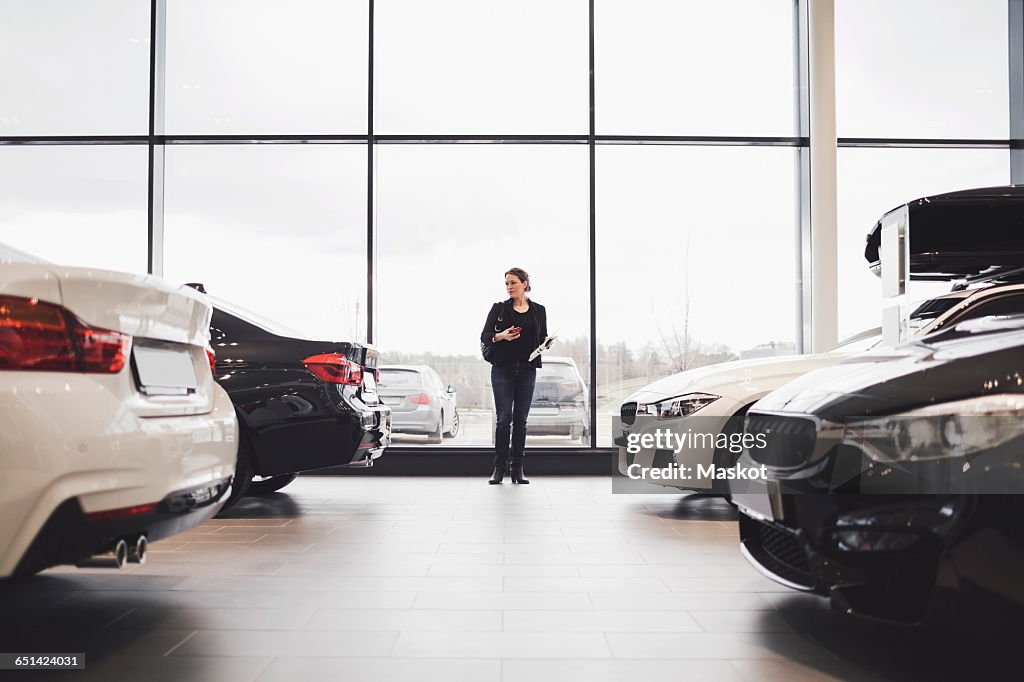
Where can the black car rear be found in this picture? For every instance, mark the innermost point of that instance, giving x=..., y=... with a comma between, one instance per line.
x=302, y=404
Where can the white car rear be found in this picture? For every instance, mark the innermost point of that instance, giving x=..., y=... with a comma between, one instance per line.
x=111, y=425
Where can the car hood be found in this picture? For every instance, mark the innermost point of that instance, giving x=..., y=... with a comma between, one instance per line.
x=738, y=380
x=892, y=380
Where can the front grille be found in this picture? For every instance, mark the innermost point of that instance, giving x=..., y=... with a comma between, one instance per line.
x=788, y=441
x=776, y=551
x=785, y=549
x=628, y=413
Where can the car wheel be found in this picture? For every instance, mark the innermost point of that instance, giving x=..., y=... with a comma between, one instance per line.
x=243, y=470
x=270, y=484
x=454, y=431
x=437, y=435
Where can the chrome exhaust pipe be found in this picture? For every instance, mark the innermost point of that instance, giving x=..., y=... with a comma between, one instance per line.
x=114, y=558
x=137, y=552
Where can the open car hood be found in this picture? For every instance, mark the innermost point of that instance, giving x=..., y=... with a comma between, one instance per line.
x=961, y=234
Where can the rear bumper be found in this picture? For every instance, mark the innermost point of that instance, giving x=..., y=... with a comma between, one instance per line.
x=68, y=537
x=73, y=438
x=421, y=420
x=567, y=422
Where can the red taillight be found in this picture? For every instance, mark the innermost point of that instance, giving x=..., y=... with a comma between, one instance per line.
x=335, y=368
x=124, y=512
x=212, y=358
x=42, y=336
x=101, y=350
x=420, y=399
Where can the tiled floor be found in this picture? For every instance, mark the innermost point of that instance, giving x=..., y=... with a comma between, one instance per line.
x=394, y=579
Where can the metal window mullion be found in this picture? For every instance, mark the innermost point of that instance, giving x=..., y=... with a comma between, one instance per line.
x=157, y=73
x=803, y=175
x=592, y=144
x=371, y=245
x=1016, y=71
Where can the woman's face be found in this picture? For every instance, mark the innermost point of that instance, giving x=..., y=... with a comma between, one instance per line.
x=515, y=287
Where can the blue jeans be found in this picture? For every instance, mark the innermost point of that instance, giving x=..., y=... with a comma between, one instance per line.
x=513, y=392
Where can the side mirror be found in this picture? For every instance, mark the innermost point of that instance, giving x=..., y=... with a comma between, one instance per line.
x=451, y=389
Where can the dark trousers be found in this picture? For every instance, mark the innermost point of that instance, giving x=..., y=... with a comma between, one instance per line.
x=513, y=392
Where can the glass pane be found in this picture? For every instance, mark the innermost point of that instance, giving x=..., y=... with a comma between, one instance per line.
x=451, y=219
x=77, y=205
x=922, y=68
x=693, y=268
x=259, y=66
x=873, y=181
x=480, y=67
x=277, y=229
x=692, y=67
x=74, y=68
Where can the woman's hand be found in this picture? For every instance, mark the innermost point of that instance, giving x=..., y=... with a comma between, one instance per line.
x=510, y=334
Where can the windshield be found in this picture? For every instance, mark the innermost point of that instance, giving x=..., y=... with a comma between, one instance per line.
x=255, y=318
x=859, y=343
x=399, y=378
x=553, y=372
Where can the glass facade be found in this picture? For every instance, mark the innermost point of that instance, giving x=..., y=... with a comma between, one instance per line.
x=368, y=171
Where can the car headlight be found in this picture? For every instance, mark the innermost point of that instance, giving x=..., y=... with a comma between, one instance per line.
x=679, y=406
x=954, y=429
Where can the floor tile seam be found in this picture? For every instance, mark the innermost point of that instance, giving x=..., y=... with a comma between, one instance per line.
x=179, y=644
x=121, y=617
x=394, y=644
x=264, y=668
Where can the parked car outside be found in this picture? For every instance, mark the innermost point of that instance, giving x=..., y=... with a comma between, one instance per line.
x=420, y=402
x=561, y=404
x=714, y=399
x=302, y=403
x=113, y=433
x=909, y=468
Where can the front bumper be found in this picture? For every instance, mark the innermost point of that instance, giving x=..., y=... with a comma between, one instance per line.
x=915, y=584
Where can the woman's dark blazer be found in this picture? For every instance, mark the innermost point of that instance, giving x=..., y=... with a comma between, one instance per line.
x=493, y=325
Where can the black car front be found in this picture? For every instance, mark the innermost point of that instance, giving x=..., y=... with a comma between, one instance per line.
x=898, y=462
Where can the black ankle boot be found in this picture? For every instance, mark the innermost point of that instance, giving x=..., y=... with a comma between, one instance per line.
x=498, y=476
x=517, y=473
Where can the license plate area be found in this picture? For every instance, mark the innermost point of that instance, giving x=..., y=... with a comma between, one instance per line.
x=765, y=504
x=544, y=411
x=164, y=370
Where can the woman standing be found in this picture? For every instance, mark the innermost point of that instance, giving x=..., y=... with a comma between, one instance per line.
x=514, y=328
